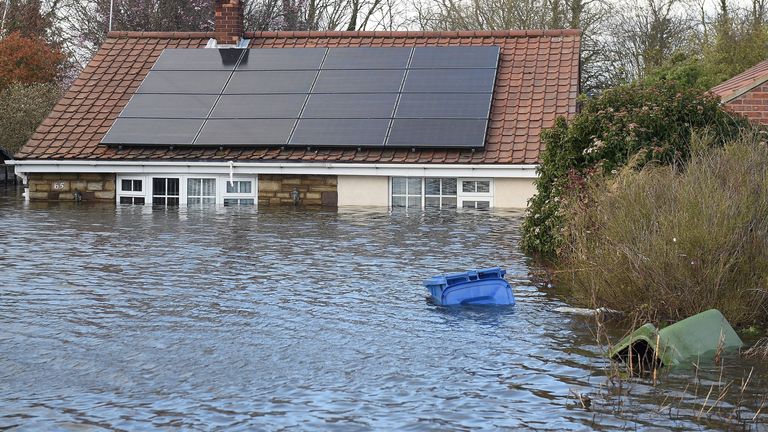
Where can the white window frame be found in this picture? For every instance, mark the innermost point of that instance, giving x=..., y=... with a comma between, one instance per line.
x=221, y=182
x=475, y=196
x=215, y=193
x=441, y=195
x=407, y=195
x=131, y=194
x=460, y=195
x=222, y=188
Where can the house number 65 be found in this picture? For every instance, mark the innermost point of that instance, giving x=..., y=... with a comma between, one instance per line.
x=59, y=185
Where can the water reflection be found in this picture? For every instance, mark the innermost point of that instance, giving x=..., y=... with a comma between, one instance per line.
x=237, y=318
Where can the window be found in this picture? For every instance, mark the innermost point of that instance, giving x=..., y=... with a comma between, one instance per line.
x=165, y=191
x=132, y=200
x=130, y=185
x=131, y=191
x=201, y=191
x=476, y=186
x=239, y=193
x=476, y=204
x=440, y=192
x=406, y=192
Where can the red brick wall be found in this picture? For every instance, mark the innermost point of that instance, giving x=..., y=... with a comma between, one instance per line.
x=752, y=104
x=228, y=21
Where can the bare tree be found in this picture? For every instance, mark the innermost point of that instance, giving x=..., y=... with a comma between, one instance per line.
x=587, y=15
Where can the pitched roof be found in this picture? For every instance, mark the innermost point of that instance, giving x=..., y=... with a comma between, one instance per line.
x=537, y=81
x=742, y=83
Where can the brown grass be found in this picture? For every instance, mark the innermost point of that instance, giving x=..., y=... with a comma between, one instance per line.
x=664, y=243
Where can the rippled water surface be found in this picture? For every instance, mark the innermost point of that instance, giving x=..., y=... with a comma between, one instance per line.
x=132, y=318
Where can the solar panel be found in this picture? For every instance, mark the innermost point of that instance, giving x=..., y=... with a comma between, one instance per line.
x=350, y=106
x=444, y=105
x=340, y=132
x=449, y=80
x=364, y=96
x=184, y=82
x=282, y=59
x=437, y=133
x=192, y=59
x=359, y=81
x=259, y=106
x=454, y=57
x=367, y=58
x=169, y=106
x=260, y=82
x=245, y=132
x=139, y=131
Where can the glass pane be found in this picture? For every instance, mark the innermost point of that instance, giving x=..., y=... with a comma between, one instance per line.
x=158, y=186
x=158, y=201
x=247, y=202
x=414, y=202
x=414, y=186
x=468, y=186
x=126, y=200
x=468, y=204
x=173, y=188
x=398, y=201
x=449, y=202
x=209, y=187
x=193, y=187
x=432, y=202
x=173, y=201
x=209, y=200
x=483, y=204
x=398, y=185
x=230, y=202
x=449, y=186
x=432, y=186
x=231, y=187
x=245, y=187
x=193, y=200
x=127, y=185
x=483, y=186
x=138, y=201
x=137, y=185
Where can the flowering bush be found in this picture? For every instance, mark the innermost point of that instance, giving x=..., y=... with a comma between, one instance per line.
x=641, y=123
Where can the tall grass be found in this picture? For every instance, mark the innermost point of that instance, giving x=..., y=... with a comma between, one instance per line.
x=666, y=242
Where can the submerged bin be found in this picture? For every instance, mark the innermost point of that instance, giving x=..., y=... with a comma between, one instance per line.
x=473, y=287
x=691, y=339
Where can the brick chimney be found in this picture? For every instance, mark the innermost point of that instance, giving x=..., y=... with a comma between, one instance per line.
x=228, y=21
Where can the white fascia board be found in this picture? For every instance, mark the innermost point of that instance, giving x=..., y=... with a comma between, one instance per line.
x=352, y=169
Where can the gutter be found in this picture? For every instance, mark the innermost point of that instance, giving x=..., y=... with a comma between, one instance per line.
x=227, y=167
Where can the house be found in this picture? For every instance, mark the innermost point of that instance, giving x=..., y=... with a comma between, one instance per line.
x=457, y=126
x=747, y=93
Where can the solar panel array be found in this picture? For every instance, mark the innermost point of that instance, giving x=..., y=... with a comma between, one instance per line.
x=315, y=97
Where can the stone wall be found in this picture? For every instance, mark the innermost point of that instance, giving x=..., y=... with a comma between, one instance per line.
x=61, y=187
x=752, y=104
x=314, y=190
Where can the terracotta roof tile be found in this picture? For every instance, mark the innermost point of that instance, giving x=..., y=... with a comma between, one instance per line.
x=742, y=82
x=537, y=80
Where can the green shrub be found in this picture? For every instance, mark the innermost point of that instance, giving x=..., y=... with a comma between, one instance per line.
x=657, y=118
x=669, y=242
x=22, y=108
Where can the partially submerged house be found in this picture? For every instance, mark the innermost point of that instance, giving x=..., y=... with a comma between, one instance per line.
x=417, y=119
x=747, y=93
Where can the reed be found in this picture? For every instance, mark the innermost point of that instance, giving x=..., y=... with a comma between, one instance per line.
x=666, y=242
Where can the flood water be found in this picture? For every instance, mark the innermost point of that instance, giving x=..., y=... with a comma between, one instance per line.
x=131, y=318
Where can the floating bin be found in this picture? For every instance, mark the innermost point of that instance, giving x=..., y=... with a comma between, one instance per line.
x=689, y=340
x=473, y=287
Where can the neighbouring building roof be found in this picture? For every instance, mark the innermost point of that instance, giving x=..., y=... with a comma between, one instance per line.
x=742, y=82
x=537, y=81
